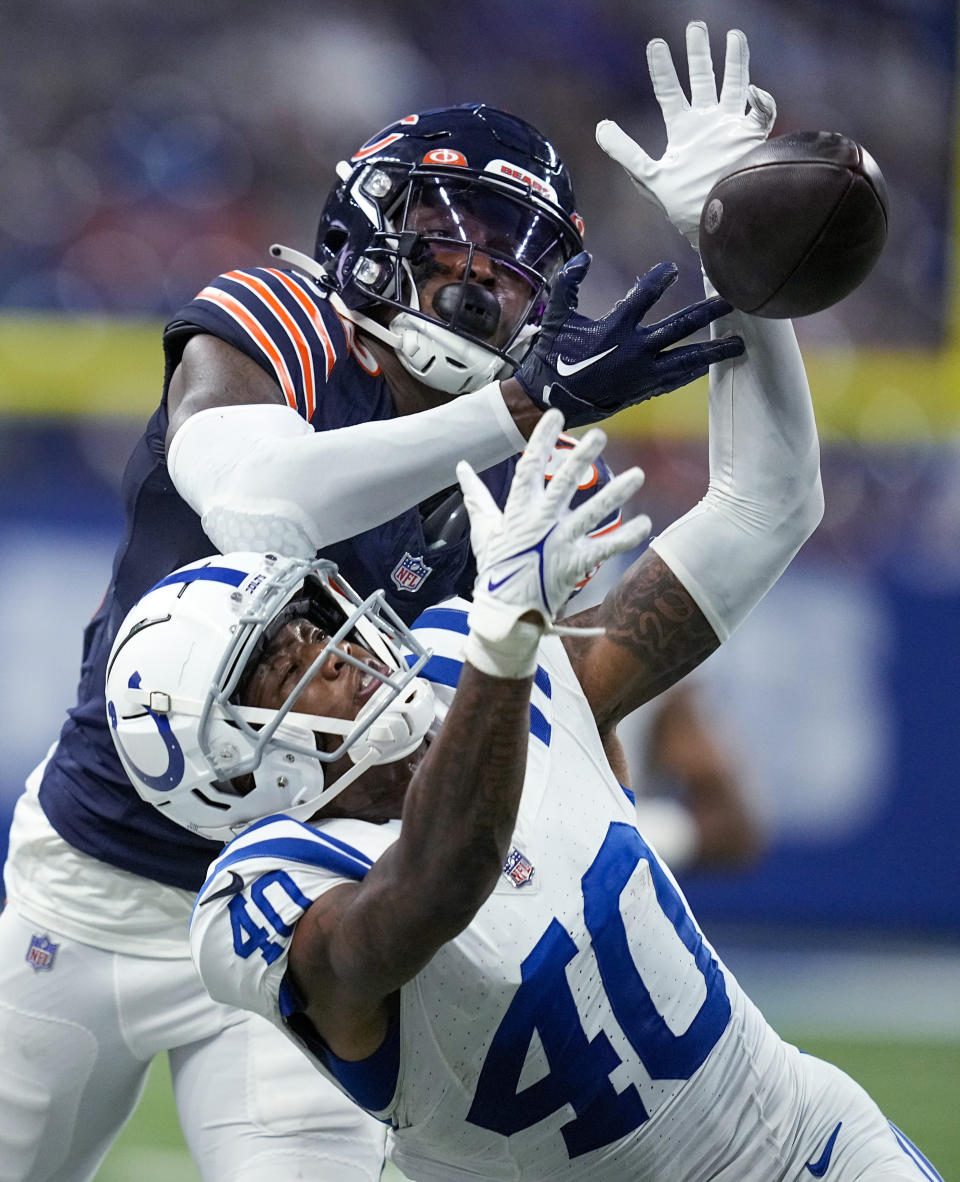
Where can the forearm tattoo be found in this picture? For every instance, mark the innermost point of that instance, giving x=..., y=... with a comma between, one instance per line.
x=652, y=615
x=650, y=612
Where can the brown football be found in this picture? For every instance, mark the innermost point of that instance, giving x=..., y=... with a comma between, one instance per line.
x=796, y=224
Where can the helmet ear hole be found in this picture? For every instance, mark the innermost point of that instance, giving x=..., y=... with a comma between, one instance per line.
x=334, y=240
x=210, y=802
x=242, y=785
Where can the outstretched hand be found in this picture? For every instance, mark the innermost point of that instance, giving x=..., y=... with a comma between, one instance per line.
x=590, y=369
x=705, y=135
x=532, y=554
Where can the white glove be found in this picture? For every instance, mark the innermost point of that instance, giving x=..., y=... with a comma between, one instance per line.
x=532, y=555
x=705, y=137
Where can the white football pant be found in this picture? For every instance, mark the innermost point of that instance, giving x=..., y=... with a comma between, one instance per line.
x=76, y=1041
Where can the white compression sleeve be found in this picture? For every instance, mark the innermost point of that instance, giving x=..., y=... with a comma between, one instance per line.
x=261, y=478
x=764, y=498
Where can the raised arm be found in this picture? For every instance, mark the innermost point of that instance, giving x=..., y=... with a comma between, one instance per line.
x=357, y=944
x=705, y=573
x=261, y=478
x=654, y=633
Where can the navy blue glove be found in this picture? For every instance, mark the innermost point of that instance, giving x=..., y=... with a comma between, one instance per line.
x=590, y=369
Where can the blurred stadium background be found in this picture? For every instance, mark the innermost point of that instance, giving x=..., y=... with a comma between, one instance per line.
x=144, y=149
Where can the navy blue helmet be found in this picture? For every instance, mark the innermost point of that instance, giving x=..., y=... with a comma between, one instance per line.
x=443, y=236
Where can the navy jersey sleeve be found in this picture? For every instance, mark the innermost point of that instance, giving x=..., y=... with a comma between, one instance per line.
x=276, y=317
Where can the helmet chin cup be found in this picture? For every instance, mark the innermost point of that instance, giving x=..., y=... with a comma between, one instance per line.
x=468, y=307
x=399, y=730
x=440, y=359
x=431, y=353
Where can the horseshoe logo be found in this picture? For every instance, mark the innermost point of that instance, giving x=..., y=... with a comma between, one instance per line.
x=171, y=777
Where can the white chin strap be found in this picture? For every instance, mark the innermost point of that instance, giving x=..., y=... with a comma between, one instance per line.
x=429, y=352
x=435, y=355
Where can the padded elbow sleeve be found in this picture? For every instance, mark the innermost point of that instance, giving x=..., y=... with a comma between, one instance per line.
x=261, y=478
x=212, y=461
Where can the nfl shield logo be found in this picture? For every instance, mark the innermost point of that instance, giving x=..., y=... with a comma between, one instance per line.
x=410, y=572
x=517, y=868
x=41, y=953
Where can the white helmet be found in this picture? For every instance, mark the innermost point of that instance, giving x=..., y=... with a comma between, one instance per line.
x=187, y=647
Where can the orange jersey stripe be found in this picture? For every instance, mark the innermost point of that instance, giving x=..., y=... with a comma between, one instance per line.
x=329, y=353
x=292, y=329
x=232, y=306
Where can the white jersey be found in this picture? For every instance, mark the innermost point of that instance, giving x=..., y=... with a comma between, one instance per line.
x=580, y=1027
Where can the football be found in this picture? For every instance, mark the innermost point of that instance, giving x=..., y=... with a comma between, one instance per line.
x=795, y=225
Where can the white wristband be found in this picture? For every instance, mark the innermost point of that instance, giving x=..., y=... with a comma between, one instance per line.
x=514, y=656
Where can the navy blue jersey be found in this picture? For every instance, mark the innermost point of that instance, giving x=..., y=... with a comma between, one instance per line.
x=281, y=320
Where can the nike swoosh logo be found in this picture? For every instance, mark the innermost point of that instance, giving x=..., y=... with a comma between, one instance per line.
x=492, y=586
x=234, y=887
x=819, y=1167
x=566, y=368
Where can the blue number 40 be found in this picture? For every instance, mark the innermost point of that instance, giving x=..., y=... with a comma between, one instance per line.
x=580, y=1068
x=248, y=935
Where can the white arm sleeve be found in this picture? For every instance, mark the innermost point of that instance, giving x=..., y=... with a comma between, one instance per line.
x=261, y=478
x=764, y=498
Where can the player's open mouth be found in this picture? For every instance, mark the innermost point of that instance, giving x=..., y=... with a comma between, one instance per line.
x=369, y=682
